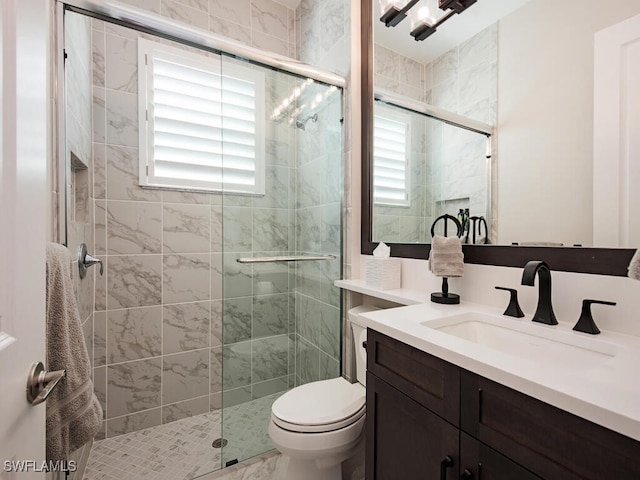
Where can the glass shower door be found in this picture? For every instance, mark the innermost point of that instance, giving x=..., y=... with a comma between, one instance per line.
x=282, y=138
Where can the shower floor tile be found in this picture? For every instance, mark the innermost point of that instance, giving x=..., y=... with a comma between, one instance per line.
x=182, y=449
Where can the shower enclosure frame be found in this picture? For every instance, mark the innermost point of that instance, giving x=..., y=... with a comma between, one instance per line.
x=150, y=23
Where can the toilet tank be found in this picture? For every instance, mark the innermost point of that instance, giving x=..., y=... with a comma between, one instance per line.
x=359, y=335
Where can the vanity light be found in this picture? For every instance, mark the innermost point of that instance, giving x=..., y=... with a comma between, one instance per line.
x=425, y=19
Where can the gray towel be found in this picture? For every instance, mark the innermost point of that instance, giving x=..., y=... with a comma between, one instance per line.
x=446, y=258
x=634, y=266
x=74, y=415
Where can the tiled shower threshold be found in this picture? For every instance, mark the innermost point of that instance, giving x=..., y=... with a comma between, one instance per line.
x=183, y=449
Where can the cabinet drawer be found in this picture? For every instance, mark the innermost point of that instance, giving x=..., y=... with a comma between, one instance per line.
x=548, y=441
x=428, y=380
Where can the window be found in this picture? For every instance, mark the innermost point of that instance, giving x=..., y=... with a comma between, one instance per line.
x=391, y=142
x=201, y=122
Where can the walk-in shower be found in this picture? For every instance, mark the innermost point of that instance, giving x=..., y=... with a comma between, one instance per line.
x=220, y=229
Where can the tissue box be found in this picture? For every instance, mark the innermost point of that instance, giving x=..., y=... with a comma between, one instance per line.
x=382, y=273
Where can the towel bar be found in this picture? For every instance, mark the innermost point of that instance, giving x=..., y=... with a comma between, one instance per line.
x=284, y=259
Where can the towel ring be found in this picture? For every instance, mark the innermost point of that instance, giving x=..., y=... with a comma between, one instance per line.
x=445, y=218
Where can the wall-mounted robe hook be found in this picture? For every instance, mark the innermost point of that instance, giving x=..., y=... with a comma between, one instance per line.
x=85, y=261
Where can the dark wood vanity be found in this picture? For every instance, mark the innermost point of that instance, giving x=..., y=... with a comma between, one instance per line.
x=430, y=419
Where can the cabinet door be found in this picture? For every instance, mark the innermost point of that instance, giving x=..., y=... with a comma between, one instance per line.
x=544, y=439
x=404, y=439
x=480, y=462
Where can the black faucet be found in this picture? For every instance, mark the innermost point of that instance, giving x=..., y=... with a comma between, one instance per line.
x=544, y=311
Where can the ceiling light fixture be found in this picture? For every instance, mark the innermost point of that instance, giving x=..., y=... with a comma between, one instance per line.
x=425, y=19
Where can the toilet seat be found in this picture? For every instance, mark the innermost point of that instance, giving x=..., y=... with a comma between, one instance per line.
x=320, y=406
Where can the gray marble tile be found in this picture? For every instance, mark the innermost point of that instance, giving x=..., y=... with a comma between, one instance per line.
x=202, y=5
x=308, y=318
x=236, y=396
x=270, y=229
x=236, y=323
x=332, y=228
x=134, y=333
x=99, y=115
x=216, y=276
x=237, y=276
x=101, y=287
x=178, y=196
x=330, y=330
x=237, y=235
x=269, y=43
x=307, y=361
x=445, y=67
x=278, y=149
x=476, y=84
x=122, y=58
x=188, y=408
x=133, y=227
x=215, y=338
x=270, y=358
x=150, y=5
x=277, y=188
x=185, y=376
x=98, y=56
x=308, y=229
x=216, y=228
x=330, y=271
x=186, y=228
x=100, y=227
x=134, y=281
x=270, y=278
x=87, y=330
x=122, y=176
x=186, y=278
x=185, y=14
x=99, y=339
x=133, y=386
x=332, y=19
x=481, y=48
x=215, y=401
x=99, y=170
x=270, y=17
x=270, y=315
x=237, y=366
x=185, y=327
x=329, y=367
x=308, y=278
x=269, y=387
x=230, y=29
x=386, y=63
x=133, y=423
x=100, y=387
x=122, y=118
x=216, y=369
x=237, y=12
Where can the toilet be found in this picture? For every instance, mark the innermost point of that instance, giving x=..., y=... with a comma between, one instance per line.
x=320, y=425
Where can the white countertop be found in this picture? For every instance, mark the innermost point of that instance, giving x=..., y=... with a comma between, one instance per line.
x=607, y=394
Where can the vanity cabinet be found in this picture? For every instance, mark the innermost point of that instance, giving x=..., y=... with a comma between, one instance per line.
x=429, y=419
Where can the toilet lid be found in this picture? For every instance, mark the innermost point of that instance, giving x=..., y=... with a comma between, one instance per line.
x=320, y=403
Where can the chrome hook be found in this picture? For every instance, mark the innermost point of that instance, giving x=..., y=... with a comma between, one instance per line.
x=85, y=261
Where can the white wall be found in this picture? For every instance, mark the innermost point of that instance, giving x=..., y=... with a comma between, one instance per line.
x=545, y=118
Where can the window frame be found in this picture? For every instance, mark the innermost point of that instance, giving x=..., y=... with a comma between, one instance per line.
x=216, y=65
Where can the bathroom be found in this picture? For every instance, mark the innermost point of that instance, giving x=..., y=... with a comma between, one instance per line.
x=124, y=225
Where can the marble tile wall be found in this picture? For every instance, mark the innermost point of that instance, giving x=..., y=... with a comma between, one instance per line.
x=159, y=336
x=323, y=30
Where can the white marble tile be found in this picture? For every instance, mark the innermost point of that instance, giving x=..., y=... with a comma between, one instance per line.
x=269, y=43
x=332, y=19
x=481, y=48
x=445, y=68
x=238, y=11
x=185, y=409
x=132, y=423
x=186, y=278
x=99, y=115
x=122, y=118
x=98, y=57
x=186, y=228
x=134, y=334
x=227, y=28
x=133, y=227
x=271, y=18
x=122, y=61
x=186, y=327
x=134, y=281
x=185, y=375
x=122, y=176
x=386, y=63
x=182, y=13
x=133, y=386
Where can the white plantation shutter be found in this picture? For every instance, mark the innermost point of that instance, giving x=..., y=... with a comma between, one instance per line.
x=201, y=123
x=391, y=141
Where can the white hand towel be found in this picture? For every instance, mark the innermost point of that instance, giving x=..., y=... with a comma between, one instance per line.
x=74, y=415
x=446, y=258
x=634, y=266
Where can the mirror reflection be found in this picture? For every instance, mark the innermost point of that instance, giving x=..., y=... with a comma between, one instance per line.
x=526, y=67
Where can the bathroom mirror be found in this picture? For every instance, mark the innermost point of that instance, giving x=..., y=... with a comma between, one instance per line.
x=526, y=67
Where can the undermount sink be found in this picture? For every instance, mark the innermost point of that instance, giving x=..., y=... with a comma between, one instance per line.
x=537, y=343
